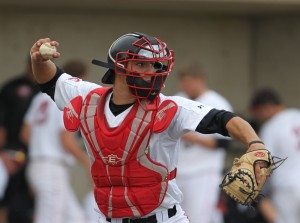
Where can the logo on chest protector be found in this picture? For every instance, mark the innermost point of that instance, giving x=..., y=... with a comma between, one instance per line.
x=69, y=114
x=162, y=113
x=164, y=116
x=112, y=159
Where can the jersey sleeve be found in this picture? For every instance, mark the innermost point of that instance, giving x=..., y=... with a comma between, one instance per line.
x=188, y=116
x=68, y=87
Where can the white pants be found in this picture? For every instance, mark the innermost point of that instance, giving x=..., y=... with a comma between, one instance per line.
x=162, y=217
x=287, y=203
x=55, y=201
x=201, y=194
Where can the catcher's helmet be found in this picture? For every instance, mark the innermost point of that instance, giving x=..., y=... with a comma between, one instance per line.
x=138, y=47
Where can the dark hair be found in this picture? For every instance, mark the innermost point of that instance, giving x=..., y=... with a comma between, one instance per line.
x=265, y=96
x=76, y=68
x=191, y=69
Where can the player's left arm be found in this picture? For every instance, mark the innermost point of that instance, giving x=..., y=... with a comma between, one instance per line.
x=241, y=130
x=229, y=124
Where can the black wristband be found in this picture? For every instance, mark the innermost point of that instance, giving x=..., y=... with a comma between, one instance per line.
x=255, y=141
x=49, y=87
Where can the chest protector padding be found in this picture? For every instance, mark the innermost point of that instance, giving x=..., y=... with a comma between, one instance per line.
x=128, y=183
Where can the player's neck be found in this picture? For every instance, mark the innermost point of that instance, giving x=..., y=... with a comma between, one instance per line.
x=273, y=111
x=278, y=109
x=203, y=90
x=121, y=95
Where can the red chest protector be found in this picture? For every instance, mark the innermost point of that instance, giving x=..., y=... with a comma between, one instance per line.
x=128, y=183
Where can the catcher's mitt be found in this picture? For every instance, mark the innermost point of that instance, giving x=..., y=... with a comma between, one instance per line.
x=240, y=183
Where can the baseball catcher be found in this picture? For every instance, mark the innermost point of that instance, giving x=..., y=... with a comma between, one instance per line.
x=241, y=184
x=132, y=130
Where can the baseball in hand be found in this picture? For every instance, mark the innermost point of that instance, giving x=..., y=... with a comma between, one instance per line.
x=47, y=50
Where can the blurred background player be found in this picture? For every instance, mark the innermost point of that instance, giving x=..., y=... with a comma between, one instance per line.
x=15, y=97
x=50, y=150
x=280, y=132
x=201, y=157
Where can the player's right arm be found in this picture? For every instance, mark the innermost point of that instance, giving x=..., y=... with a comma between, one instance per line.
x=61, y=87
x=43, y=70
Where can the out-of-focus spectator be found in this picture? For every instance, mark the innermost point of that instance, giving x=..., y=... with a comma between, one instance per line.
x=280, y=131
x=15, y=97
x=201, y=157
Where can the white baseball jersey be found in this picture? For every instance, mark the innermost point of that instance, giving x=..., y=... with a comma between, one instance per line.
x=3, y=178
x=281, y=135
x=164, y=145
x=195, y=158
x=46, y=122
